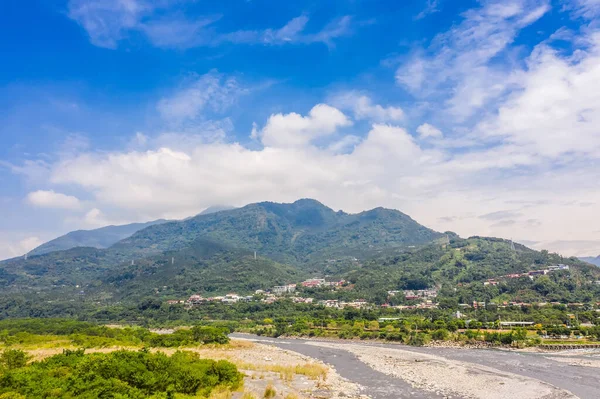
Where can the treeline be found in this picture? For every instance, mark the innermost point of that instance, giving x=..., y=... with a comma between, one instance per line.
x=88, y=335
x=120, y=374
x=417, y=331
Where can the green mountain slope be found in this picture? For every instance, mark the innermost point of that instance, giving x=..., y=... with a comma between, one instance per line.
x=205, y=267
x=461, y=268
x=99, y=238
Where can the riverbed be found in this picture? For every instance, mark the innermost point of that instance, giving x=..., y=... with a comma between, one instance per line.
x=390, y=371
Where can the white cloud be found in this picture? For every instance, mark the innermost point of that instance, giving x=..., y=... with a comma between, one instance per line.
x=431, y=7
x=460, y=61
x=51, y=199
x=426, y=131
x=212, y=91
x=293, y=130
x=108, y=22
x=363, y=108
x=95, y=218
x=556, y=112
x=12, y=245
x=587, y=9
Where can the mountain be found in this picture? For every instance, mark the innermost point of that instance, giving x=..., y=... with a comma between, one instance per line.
x=592, y=260
x=300, y=233
x=216, y=251
x=103, y=237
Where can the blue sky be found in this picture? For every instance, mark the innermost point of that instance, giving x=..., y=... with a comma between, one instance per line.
x=479, y=117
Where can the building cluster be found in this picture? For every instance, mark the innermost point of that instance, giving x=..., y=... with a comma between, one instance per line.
x=530, y=274
x=229, y=298
x=427, y=304
x=426, y=294
x=482, y=305
x=334, y=303
x=320, y=282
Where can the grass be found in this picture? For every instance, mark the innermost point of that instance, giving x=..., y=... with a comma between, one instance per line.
x=567, y=342
x=270, y=392
x=313, y=371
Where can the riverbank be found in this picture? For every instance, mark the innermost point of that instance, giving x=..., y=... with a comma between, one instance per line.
x=447, y=377
x=289, y=374
x=432, y=372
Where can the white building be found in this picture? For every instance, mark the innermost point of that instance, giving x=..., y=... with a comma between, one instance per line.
x=284, y=289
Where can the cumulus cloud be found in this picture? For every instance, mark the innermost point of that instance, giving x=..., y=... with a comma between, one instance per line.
x=51, y=199
x=363, y=108
x=108, y=22
x=557, y=109
x=426, y=130
x=12, y=246
x=295, y=130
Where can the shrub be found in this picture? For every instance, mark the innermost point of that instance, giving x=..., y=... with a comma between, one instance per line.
x=440, y=334
x=419, y=339
x=14, y=358
x=270, y=392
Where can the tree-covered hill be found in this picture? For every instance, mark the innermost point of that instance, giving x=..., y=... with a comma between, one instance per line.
x=460, y=269
x=205, y=267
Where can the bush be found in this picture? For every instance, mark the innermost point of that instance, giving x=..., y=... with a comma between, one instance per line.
x=419, y=339
x=13, y=359
x=210, y=335
x=440, y=335
x=120, y=374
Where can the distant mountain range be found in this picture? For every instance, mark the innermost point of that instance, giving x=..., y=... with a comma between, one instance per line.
x=265, y=244
x=103, y=237
x=592, y=260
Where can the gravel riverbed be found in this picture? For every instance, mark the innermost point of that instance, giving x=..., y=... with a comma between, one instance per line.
x=454, y=372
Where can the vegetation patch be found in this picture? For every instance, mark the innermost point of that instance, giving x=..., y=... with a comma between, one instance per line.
x=120, y=374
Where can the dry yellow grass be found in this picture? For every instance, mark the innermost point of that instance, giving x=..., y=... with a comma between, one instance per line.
x=221, y=394
x=313, y=371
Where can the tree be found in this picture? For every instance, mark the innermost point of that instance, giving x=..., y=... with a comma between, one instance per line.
x=210, y=335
